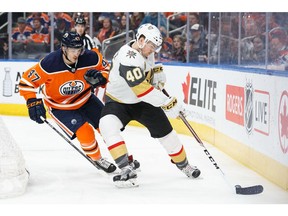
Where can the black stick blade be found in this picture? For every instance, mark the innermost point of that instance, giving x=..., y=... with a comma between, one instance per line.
x=256, y=189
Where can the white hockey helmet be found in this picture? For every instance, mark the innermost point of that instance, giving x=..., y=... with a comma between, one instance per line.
x=151, y=33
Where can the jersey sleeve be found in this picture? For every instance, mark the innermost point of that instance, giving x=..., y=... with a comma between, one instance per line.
x=103, y=66
x=31, y=80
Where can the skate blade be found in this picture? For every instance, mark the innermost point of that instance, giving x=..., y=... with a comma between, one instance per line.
x=138, y=170
x=130, y=183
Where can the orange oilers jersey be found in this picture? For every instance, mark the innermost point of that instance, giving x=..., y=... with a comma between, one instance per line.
x=63, y=87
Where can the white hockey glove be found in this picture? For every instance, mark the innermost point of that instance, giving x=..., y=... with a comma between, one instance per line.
x=159, y=77
x=172, y=108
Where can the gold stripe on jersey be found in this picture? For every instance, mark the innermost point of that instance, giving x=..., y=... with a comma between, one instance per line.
x=113, y=98
x=142, y=89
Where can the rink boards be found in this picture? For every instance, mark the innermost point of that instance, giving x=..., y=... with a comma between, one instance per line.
x=241, y=111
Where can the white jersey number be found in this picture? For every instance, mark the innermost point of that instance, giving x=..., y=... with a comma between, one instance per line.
x=134, y=74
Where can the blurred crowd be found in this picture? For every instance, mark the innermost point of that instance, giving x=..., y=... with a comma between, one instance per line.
x=254, y=39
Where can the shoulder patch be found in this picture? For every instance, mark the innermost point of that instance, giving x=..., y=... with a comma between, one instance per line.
x=131, y=54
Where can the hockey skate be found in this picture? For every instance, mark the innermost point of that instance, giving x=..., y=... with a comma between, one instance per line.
x=133, y=163
x=127, y=178
x=105, y=165
x=190, y=171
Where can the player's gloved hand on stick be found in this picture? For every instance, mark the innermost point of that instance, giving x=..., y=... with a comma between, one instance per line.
x=96, y=78
x=159, y=77
x=36, y=109
x=173, y=108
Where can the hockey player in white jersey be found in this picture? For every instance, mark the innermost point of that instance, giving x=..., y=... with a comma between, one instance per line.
x=134, y=93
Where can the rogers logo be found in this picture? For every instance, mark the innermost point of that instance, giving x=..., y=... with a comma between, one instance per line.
x=283, y=122
x=248, y=107
x=72, y=87
x=235, y=104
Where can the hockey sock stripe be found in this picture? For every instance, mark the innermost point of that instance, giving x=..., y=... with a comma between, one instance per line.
x=179, y=157
x=118, y=149
x=89, y=147
x=177, y=153
x=115, y=145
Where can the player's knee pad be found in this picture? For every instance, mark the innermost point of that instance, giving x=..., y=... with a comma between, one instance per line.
x=85, y=134
x=174, y=147
x=171, y=143
x=110, y=127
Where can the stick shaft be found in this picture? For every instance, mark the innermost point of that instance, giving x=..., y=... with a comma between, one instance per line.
x=68, y=141
x=256, y=189
x=199, y=141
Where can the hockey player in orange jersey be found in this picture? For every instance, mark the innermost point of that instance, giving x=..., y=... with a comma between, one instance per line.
x=67, y=77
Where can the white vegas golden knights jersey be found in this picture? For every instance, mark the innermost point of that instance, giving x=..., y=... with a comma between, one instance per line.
x=127, y=79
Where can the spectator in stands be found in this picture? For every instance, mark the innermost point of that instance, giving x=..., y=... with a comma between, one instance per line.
x=103, y=15
x=228, y=51
x=117, y=17
x=178, y=52
x=278, y=52
x=44, y=19
x=69, y=23
x=199, y=49
x=122, y=24
x=20, y=36
x=176, y=21
x=258, y=51
x=107, y=31
x=165, y=51
x=3, y=49
x=39, y=40
x=136, y=19
x=60, y=29
x=251, y=27
x=152, y=17
x=193, y=19
x=281, y=18
x=226, y=43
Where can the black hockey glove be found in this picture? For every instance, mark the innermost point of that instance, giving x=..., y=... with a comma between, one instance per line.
x=36, y=109
x=95, y=78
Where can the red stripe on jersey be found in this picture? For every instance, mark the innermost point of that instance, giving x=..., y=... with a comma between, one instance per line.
x=145, y=93
x=178, y=153
x=116, y=145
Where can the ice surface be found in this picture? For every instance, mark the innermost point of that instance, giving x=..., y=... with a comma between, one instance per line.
x=60, y=175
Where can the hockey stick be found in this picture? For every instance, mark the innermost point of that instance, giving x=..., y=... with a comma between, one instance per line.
x=256, y=189
x=70, y=143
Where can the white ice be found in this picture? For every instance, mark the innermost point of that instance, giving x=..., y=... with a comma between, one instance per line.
x=60, y=175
